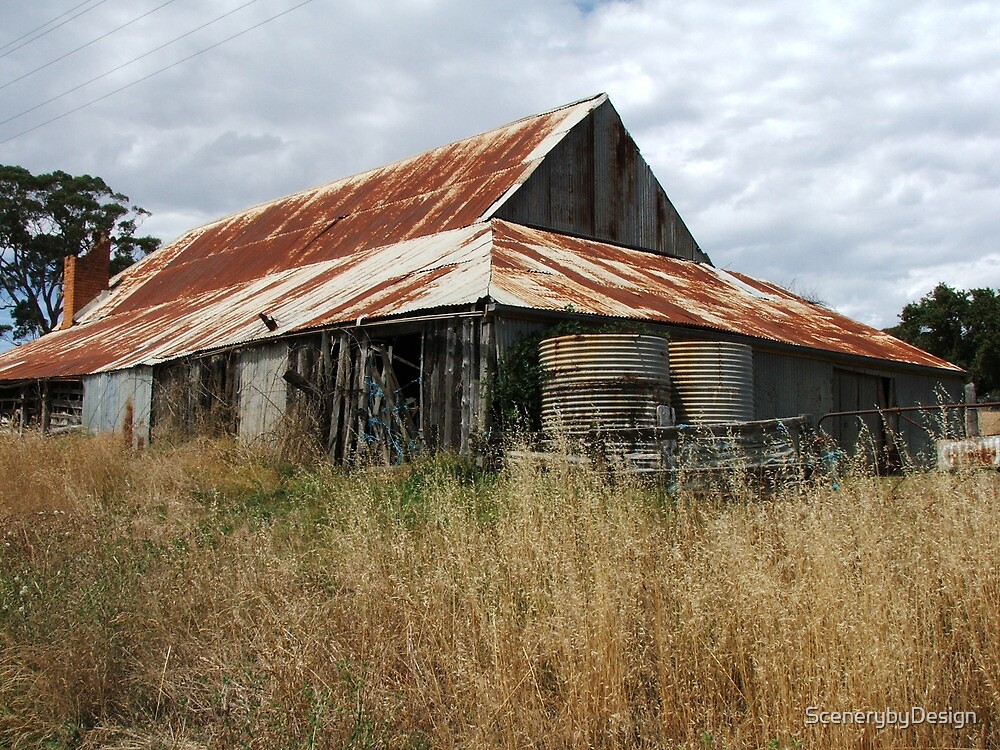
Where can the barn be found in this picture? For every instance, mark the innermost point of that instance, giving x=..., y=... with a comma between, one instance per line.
x=380, y=307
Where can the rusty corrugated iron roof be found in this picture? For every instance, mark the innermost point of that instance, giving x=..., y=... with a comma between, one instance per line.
x=544, y=270
x=205, y=289
x=414, y=236
x=514, y=265
x=439, y=270
x=447, y=188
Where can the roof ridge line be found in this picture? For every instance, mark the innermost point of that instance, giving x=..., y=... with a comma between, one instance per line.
x=321, y=186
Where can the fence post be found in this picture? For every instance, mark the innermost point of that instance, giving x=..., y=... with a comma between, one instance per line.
x=971, y=415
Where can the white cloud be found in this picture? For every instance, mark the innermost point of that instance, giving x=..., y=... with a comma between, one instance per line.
x=851, y=149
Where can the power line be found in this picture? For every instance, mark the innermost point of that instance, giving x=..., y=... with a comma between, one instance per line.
x=126, y=64
x=84, y=46
x=39, y=28
x=155, y=73
x=49, y=31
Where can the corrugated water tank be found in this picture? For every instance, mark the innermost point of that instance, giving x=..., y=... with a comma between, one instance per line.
x=604, y=381
x=712, y=381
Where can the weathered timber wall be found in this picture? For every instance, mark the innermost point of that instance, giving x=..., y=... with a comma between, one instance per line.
x=49, y=405
x=459, y=357
x=197, y=395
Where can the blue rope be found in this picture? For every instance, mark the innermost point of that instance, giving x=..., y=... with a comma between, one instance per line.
x=380, y=426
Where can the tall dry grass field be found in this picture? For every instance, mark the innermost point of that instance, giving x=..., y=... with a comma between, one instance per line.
x=200, y=596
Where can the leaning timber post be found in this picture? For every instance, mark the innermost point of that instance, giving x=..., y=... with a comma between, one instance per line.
x=467, y=385
x=421, y=414
x=487, y=371
x=45, y=404
x=192, y=396
x=448, y=437
x=429, y=378
x=22, y=407
x=325, y=382
x=971, y=414
x=361, y=394
x=340, y=385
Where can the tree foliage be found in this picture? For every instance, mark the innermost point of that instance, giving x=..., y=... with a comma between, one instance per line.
x=960, y=326
x=45, y=217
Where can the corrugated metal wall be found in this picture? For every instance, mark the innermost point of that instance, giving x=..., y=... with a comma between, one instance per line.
x=119, y=401
x=859, y=390
x=508, y=331
x=263, y=393
x=595, y=183
x=787, y=386
x=920, y=428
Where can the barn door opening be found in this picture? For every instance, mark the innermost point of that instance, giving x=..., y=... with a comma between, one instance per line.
x=871, y=435
x=374, y=403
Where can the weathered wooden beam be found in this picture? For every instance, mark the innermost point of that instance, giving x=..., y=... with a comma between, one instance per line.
x=343, y=378
x=971, y=414
x=356, y=439
x=465, y=385
x=296, y=380
x=448, y=395
x=46, y=406
x=487, y=369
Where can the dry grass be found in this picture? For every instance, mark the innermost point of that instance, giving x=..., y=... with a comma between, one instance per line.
x=198, y=595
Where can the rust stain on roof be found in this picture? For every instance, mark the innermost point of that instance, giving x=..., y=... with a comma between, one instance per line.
x=544, y=270
x=413, y=236
x=515, y=265
x=447, y=188
x=440, y=270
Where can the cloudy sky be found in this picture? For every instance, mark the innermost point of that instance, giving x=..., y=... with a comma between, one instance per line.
x=849, y=151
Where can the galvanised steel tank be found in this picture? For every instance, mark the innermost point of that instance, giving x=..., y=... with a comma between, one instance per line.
x=712, y=381
x=607, y=382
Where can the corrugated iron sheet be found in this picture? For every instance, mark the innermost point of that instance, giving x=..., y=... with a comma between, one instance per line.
x=514, y=265
x=410, y=237
x=119, y=402
x=980, y=452
x=447, y=188
x=371, y=244
x=595, y=183
x=436, y=271
x=543, y=270
x=263, y=391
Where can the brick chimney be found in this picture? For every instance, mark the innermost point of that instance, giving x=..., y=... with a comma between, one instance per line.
x=84, y=277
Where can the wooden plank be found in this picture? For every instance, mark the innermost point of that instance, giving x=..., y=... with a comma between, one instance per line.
x=971, y=415
x=465, y=386
x=430, y=409
x=361, y=398
x=422, y=374
x=45, y=405
x=388, y=415
x=448, y=392
x=325, y=360
x=324, y=383
x=487, y=368
x=343, y=378
x=295, y=379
